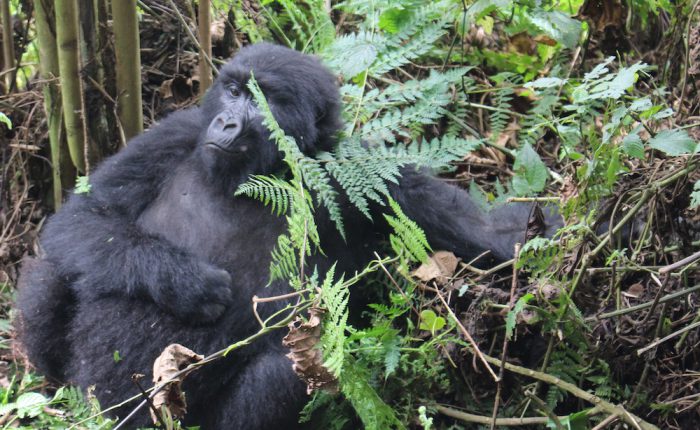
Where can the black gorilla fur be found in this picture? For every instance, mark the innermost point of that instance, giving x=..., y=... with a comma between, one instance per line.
x=160, y=252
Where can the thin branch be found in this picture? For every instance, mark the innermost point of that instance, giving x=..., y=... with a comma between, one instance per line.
x=469, y=337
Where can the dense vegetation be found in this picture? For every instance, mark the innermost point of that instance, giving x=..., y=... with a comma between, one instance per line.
x=591, y=106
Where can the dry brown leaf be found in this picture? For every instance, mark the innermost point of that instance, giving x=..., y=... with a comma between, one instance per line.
x=535, y=224
x=439, y=267
x=173, y=359
x=307, y=358
x=523, y=43
x=568, y=189
x=601, y=14
x=634, y=291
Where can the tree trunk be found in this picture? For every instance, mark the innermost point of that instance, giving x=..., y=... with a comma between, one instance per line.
x=69, y=68
x=205, y=78
x=128, y=53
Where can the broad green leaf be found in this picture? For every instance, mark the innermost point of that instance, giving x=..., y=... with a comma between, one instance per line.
x=632, y=145
x=430, y=321
x=530, y=172
x=30, y=405
x=673, y=142
x=558, y=26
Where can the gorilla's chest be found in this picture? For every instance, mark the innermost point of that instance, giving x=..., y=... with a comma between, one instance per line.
x=233, y=233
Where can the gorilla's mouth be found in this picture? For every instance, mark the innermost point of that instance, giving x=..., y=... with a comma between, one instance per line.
x=237, y=151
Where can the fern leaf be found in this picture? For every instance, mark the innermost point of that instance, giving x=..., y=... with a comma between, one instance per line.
x=270, y=191
x=408, y=238
x=334, y=297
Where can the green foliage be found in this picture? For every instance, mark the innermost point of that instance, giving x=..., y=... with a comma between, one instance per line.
x=512, y=316
x=530, y=172
x=408, y=239
x=302, y=235
x=431, y=322
x=674, y=142
x=695, y=195
x=272, y=191
x=334, y=298
x=374, y=413
x=82, y=185
x=308, y=20
x=5, y=120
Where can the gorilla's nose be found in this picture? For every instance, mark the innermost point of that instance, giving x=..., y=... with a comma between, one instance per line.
x=225, y=129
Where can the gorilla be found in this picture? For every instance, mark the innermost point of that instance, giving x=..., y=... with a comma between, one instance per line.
x=160, y=251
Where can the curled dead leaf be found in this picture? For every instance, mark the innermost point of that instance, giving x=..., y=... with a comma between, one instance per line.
x=634, y=291
x=307, y=359
x=535, y=224
x=172, y=360
x=441, y=266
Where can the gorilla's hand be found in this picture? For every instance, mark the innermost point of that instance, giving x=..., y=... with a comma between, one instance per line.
x=197, y=294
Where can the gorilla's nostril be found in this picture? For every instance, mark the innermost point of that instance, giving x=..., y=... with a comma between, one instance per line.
x=231, y=126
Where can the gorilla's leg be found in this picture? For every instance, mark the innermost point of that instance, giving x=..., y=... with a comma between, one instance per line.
x=266, y=394
x=46, y=307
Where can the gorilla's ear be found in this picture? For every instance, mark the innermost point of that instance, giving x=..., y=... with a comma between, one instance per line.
x=328, y=125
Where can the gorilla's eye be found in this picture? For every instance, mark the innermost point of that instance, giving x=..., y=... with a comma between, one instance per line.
x=234, y=90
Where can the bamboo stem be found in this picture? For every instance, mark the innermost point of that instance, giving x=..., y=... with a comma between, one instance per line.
x=69, y=68
x=128, y=52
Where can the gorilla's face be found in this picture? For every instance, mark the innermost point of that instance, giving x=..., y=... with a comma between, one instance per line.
x=302, y=96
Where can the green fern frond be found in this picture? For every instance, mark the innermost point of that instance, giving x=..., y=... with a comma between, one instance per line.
x=334, y=298
x=424, y=112
x=316, y=178
x=374, y=413
x=409, y=92
x=284, y=263
x=438, y=153
x=501, y=100
x=270, y=190
x=408, y=238
x=416, y=38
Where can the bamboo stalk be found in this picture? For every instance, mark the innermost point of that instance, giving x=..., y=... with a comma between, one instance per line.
x=128, y=53
x=205, y=78
x=8, y=47
x=69, y=69
x=48, y=68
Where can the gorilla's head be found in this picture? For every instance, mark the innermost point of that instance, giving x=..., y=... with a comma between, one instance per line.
x=302, y=95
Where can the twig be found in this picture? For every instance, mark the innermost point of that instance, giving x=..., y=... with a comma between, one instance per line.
x=504, y=350
x=639, y=307
x=606, y=422
x=532, y=199
x=395, y=284
x=546, y=409
x=608, y=407
x=656, y=343
x=511, y=422
x=682, y=263
x=469, y=338
x=192, y=37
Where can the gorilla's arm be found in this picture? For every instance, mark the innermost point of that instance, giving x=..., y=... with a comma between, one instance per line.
x=95, y=238
x=453, y=222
